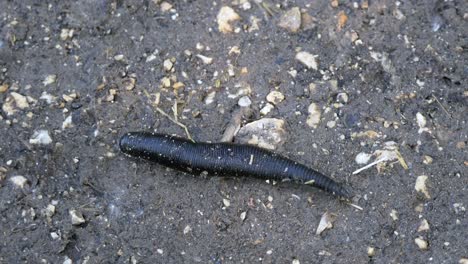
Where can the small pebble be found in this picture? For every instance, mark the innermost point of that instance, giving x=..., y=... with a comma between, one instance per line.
x=67, y=123
x=307, y=59
x=275, y=97
x=167, y=65
x=331, y=124
x=423, y=226
x=394, y=215
x=370, y=251
x=295, y=261
x=226, y=202
x=119, y=57
x=40, y=137
x=342, y=98
x=314, y=115
x=76, y=217
x=50, y=79
x=225, y=16
x=422, y=244
x=363, y=158
x=421, y=187
x=427, y=160
x=291, y=20
x=187, y=229
x=243, y=215
x=266, y=109
x=244, y=101
x=19, y=181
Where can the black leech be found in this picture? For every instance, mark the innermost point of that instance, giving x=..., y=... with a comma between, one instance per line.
x=223, y=159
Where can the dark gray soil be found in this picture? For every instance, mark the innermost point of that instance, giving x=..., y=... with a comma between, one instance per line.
x=410, y=57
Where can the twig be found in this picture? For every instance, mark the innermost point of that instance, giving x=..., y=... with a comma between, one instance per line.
x=175, y=122
x=356, y=206
x=443, y=108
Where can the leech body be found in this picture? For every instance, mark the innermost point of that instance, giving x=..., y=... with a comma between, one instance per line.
x=223, y=159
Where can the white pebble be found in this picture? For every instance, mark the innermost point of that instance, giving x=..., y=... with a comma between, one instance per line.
x=307, y=59
x=363, y=158
x=244, y=101
x=76, y=217
x=40, y=137
x=423, y=226
x=19, y=181
x=266, y=109
x=226, y=202
x=422, y=244
x=421, y=187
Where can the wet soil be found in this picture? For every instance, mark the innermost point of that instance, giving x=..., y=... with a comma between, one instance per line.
x=391, y=59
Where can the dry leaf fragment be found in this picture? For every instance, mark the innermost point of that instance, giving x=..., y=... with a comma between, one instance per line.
x=342, y=19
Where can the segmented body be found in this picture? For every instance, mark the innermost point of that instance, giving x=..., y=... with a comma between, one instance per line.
x=223, y=159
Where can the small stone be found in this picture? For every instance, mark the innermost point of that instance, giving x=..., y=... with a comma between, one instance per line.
x=40, y=137
x=461, y=144
x=307, y=59
x=160, y=251
x=334, y=3
x=363, y=158
x=48, y=97
x=422, y=244
x=291, y=20
x=167, y=65
x=243, y=215
x=165, y=6
x=423, y=226
x=295, y=261
x=308, y=21
x=66, y=33
x=178, y=85
x=268, y=133
x=119, y=57
x=67, y=123
x=76, y=217
x=331, y=124
x=394, y=215
x=166, y=82
x=129, y=83
x=314, y=115
x=54, y=235
x=421, y=120
x=421, y=187
x=342, y=98
x=226, y=202
x=20, y=100
x=427, y=160
x=209, y=99
x=4, y=87
x=19, y=181
x=187, y=229
x=370, y=251
x=266, y=109
x=269, y=252
x=49, y=211
x=225, y=16
x=204, y=59
x=50, y=79
x=275, y=97
x=67, y=260
x=463, y=261
x=244, y=101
